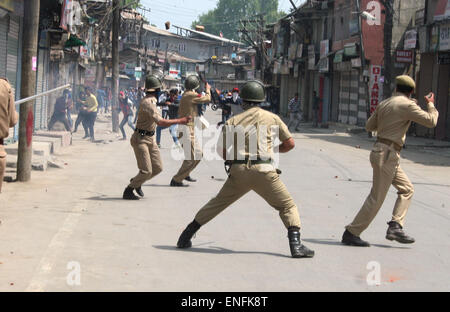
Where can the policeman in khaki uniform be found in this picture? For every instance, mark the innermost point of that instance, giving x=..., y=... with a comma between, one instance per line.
x=143, y=140
x=391, y=120
x=254, y=172
x=189, y=107
x=8, y=119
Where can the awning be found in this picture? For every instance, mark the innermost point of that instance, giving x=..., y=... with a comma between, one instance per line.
x=350, y=50
x=74, y=41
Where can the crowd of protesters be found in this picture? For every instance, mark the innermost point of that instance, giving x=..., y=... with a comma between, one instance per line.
x=89, y=104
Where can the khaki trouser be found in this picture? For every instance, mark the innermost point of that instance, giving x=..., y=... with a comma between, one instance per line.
x=294, y=120
x=2, y=165
x=244, y=179
x=386, y=172
x=148, y=159
x=190, y=162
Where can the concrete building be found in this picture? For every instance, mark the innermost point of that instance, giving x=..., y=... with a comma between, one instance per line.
x=433, y=28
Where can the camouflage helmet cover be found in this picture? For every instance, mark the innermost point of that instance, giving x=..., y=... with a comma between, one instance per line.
x=253, y=91
x=152, y=83
x=192, y=82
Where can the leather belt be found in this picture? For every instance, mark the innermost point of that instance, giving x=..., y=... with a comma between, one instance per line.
x=145, y=132
x=397, y=147
x=252, y=162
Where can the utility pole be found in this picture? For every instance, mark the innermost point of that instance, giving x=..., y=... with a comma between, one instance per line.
x=388, y=26
x=115, y=65
x=28, y=88
x=363, y=61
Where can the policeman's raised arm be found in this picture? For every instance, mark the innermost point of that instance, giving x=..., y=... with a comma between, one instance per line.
x=427, y=118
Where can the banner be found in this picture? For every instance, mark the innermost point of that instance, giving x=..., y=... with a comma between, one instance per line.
x=411, y=39
x=7, y=5
x=444, y=38
x=375, y=87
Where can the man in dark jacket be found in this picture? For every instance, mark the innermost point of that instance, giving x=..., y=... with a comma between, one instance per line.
x=125, y=108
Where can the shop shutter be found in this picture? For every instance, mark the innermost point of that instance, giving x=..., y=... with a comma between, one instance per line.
x=12, y=50
x=40, y=108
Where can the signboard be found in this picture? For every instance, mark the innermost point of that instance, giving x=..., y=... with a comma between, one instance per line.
x=420, y=17
x=138, y=73
x=411, y=39
x=324, y=48
x=434, y=39
x=7, y=4
x=300, y=50
x=404, y=56
x=339, y=56
x=66, y=14
x=444, y=58
x=311, y=57
x=444, y=38
x=276, y=67
x=292, y=51
x=356, y=62
x=375, y=87
x=324, y=65
x=442, y=10
x=423, y=40
x=354, y=26
x=34, y=63
x=296, y=70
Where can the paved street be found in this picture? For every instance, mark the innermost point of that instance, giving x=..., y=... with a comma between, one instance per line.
x=76, y=216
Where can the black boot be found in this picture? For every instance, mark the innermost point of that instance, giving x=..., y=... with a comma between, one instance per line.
x=129, y=195
x=298, y=250
x=140, y=192
x=189, y=179
x=351, y=240
x=173, y=183
x=185, y=239
x=395, y=233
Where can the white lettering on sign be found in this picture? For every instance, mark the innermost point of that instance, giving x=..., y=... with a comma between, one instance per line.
x=374, y=8
x=375, y=87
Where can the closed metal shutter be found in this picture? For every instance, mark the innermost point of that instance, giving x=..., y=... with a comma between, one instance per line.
x=13, y=50
x=3, y=44
x=344, y=97
x=41, y=106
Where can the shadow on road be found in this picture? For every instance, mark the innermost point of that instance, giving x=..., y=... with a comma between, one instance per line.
x=104, y=198
x=338, y=243
x=219, y=250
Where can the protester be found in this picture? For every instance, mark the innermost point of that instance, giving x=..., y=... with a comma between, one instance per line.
x=173, y=104
x=295, y=113
x=101, y=97
x=91, y=105
x=60, y=111
x=125, y=108
x=82, y=115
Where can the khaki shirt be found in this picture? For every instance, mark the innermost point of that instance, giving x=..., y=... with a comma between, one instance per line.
x=260, y=128
x=393, y=117
x=189, y=105
x=8, y=114
x=148, y=115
